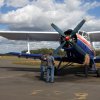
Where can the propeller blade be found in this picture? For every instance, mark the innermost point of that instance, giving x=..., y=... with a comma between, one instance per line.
x=77, y=28
x=82, y=52
x=58, y=30
x=56, y=51
x=79, y=49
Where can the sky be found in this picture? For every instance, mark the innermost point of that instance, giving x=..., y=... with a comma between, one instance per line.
x=37, y=15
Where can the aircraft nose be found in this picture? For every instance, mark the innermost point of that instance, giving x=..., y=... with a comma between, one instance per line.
x=67, y=38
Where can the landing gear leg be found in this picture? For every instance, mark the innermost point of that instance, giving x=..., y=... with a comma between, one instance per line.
x=59, y=64
x=86, y=70
x=58, y=68
x=94, y=69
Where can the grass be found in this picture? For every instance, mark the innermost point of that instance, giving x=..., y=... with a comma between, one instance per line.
x=32, y=62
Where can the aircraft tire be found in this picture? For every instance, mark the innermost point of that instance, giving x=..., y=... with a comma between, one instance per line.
x=55, y=72
x=98, y=73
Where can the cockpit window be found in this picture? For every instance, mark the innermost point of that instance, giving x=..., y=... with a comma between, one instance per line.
x=85, y=35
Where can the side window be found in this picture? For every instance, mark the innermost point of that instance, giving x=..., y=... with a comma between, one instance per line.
x=86, y=36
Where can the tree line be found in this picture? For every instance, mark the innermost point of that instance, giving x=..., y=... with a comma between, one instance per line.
x=46, y=51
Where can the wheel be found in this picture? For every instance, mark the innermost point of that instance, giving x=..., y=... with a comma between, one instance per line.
x=98, y=73
x=55, y=72
x=86, y=71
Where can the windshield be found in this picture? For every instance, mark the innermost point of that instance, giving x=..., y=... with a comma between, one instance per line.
x=85, y=35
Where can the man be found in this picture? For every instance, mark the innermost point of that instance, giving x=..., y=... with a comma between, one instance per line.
x=50, y=68
x=43, y=65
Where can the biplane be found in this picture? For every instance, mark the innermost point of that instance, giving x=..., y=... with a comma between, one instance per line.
x=76, y=44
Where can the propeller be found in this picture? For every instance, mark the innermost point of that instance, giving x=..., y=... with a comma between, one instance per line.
x=56, y=51
x=68, y=38
x=78, y=48
x=58, y=30
x=77, y=28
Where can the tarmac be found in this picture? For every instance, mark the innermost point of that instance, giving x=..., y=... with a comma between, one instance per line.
x=21, y=82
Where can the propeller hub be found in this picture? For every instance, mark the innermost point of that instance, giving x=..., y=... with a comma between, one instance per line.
x=67, y=38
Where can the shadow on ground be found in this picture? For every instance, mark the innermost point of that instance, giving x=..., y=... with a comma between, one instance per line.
x=21, y=69
x=69, y=70
x=67, y=74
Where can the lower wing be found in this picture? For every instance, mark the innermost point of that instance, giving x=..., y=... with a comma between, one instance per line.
x=97, y=59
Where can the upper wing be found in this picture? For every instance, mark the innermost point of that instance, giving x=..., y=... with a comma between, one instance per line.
x=32, y=36
x=94, y=36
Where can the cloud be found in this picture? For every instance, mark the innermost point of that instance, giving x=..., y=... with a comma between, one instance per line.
x=92, y=25
x=18, y=46
x=17, y=3
x=91, y=5
x=1, y=3
x=38, y=15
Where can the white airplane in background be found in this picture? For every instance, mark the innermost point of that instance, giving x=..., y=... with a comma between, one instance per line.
x=75, y=43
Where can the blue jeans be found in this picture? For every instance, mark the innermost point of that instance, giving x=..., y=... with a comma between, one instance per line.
x=42, y=70
x=50, y=74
